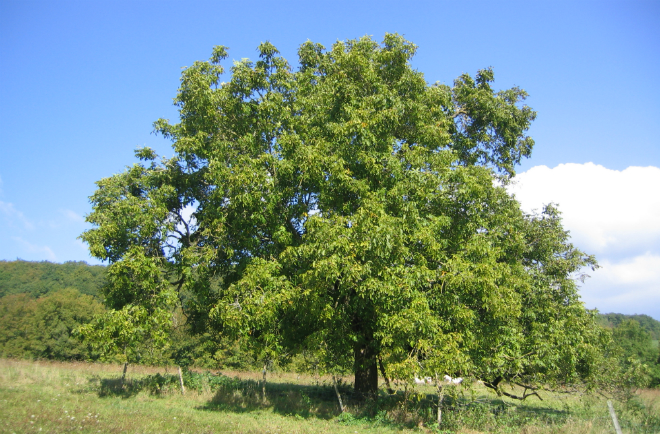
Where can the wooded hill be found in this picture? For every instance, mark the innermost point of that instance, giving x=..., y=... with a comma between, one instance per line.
x=42, y=278
x=613, y=320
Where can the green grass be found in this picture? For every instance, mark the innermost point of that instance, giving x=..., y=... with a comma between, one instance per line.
x=87, y=398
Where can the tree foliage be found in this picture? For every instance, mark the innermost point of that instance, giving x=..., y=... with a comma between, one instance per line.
x=350, y=209
x=129, y=335
x=139, y=318
x=44, y=328
x=637, y=347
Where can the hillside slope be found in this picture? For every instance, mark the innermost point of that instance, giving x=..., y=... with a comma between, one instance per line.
x=41, y=278
x=612, y=320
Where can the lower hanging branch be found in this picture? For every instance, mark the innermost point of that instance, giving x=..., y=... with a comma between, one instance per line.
x=522, y=398
x=496, y=383
x=528, y=387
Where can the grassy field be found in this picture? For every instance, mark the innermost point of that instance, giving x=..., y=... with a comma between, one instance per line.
x=51, y=397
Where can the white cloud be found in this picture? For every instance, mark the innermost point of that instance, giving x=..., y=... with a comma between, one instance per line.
x=628, y=286
x=639, y=270
x=33, y=248
x=605, y=210
x=13, y=215
x=612, y=214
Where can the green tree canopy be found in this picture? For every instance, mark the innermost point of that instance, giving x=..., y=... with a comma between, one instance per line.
x=351, y=209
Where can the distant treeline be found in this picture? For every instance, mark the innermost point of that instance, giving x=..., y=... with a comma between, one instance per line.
x=42, y=304
x=41, y=278
x=613, y=320
x=43, y=328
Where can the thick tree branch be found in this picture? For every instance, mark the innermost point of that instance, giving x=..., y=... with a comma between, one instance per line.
x=384, y=374
x=296, y=235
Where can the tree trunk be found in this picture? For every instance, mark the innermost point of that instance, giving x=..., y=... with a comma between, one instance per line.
x=263, y=384
x=366, y=371
x=440, y=398
x=123, y=375
x=366, y=357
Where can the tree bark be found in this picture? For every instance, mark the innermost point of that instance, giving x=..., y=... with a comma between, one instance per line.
x=366, y=371
x=123, y=375
x=440, y=398
x=365, y=354
x=263, y=384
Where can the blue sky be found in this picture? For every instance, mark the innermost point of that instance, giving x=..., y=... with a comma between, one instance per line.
x=82, y=83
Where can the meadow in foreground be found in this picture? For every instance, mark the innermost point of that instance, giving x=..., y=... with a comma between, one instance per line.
x=55, y=397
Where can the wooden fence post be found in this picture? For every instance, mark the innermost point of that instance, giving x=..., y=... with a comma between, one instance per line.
x=614, y=419
x=183, y=389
